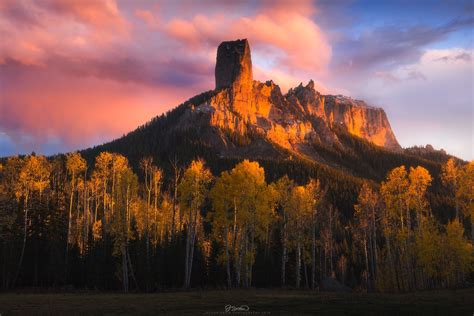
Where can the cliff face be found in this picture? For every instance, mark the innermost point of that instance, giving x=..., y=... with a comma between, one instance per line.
x=293, y=120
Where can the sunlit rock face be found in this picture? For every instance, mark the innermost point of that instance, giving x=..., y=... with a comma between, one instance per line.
x=361, y=120
x=294, y=120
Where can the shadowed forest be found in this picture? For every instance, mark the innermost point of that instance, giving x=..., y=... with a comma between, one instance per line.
x=67, y=224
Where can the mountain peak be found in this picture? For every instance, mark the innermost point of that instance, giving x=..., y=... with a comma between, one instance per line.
x=233, y=64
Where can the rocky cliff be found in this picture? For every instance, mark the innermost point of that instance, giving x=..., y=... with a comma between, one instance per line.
x=294, y=120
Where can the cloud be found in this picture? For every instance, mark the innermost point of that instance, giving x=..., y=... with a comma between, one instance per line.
x=70, y=64
x=465, y=56
x=382, y=48
x=431, y=102
x=104, y=15
x=283, y=35
x=34, y=30
x=39, y=105
x=148, y=17
x=387, y=76
x=415, y=75
x=397, y=76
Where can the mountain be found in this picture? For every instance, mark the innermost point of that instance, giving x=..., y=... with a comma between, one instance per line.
x=294, y=120
x=302, y=133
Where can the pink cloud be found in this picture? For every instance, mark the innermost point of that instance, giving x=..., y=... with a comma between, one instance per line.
x=148, y=17
x=60, y=27
x=84, y=71
x=293, y=39
x=102, y=14
x=49, y=104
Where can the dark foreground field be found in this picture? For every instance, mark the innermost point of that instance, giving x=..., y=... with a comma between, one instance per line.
x=259, y=302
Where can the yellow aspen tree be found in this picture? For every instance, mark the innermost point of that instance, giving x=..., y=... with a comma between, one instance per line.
x=34, y=177
x=394, y=193
x=193, y=191
x=300, y=222
x=315, y=197
x=243, y=206
x=146, y=165
x=177, y=174
x=450, y=178
x=158, y=226
x=75, y=165
x=420, y=179
x=124, y=196
x=366, y=216
x=103, y=170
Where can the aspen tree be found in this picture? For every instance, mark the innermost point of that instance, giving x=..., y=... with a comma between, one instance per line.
x=193, y=191
x=75, y=165
x=243, y=206
x=33, y=177
x=450, y=178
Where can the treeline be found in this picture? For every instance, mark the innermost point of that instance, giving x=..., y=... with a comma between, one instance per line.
x=105, y=227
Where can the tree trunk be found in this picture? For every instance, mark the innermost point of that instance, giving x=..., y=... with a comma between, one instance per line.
x=229, y=276
x=25, y=229
x=186, y=262
x=238, y=265
x=252, y=237
x=174, y=164
x=283, y=266
x=4, y=265
x=191, y=255
x=374, y=231
x=305, y=270
x=284, y=253
x=131, y=270
x=155, y=209
x=147, y=231
x=124, y=269
x=298, y=265
x=372, y=261
x=313, y=258
x=392, y=264
x=331, y=214
x=366, y=265
x=69, y=222
x=246, y=267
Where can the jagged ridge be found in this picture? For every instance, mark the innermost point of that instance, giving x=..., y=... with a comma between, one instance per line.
x=295, y=120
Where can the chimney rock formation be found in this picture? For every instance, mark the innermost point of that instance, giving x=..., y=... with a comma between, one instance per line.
x=233, y=65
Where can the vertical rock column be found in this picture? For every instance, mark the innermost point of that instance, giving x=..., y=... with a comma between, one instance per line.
x=234, y=71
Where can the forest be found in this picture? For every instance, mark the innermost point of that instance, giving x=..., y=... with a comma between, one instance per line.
x=66, y=223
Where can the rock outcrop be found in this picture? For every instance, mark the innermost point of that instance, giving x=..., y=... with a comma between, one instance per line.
x=293, y=120
x=233, y=64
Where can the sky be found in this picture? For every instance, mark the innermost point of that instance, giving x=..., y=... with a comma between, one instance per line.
x=77, y=73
